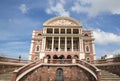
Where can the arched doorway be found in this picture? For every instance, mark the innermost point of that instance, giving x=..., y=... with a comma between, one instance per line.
x=68, y=57
x=76, y=56
x=62, y=57
x=55, y=57
x=48, y=57
x=59, y=74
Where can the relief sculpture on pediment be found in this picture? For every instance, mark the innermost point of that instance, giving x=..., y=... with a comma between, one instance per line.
x=62, y=22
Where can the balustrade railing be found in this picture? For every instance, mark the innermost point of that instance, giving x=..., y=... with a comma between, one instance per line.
x=25, y=68
x=91, y=67
x=60, y=61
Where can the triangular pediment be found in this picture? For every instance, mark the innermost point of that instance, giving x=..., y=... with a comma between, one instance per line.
x=62, y=21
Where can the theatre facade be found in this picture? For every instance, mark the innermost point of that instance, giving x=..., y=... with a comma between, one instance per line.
x=62, y=38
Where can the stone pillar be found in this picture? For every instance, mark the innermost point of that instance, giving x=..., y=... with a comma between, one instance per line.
x=31, y=47
x=73, y=60
x=72, y=43
x=98, y=75
x=93, y=46
x=65, y=30
x=79, y=30
x=45, y=60
x=59, y=44
x=44, y=30
x=82, y=55
x=44, y=43
x=71, y=30
x=81, y=44
x=66, y=44
x=53, y=30
x=52, y=43
x=59, y=30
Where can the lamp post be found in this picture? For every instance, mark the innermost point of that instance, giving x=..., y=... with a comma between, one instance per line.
x=19, y=58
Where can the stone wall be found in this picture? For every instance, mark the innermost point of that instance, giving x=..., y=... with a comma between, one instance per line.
x=48, y=73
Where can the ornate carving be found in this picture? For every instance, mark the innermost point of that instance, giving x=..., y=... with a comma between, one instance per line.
x=62, y=22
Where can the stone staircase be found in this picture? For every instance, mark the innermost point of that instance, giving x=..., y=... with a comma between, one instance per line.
x=6, y=76
x=107, y=76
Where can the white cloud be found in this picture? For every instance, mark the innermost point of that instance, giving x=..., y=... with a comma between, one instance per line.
x=23, y=8
x=95, y=7
x=57, y=8
x=103, y=38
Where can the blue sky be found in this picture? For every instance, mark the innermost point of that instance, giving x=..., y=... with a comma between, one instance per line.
x=18, y=18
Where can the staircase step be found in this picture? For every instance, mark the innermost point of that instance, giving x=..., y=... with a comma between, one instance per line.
x=6, y=76
x=107, y=76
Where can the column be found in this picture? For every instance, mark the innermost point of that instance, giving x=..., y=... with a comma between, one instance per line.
x=81, y=44
x=65, y=30
x=43, y=30
x=53, y=30
x=79, y=30
x=59, y=30
x=44, y=43
x=52, y=43
x=82, y=55
x=71, y=30
x=66, y=44
x=93, y=46
x=59, y=44
x=72, y=43
x=31, y=47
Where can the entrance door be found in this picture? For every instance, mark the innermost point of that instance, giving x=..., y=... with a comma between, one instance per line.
x=59, y=75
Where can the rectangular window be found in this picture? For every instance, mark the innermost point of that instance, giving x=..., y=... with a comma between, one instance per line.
x=62, y=31
x=37, y=48
x=49, y=30
x=75, y=31
x=68, y=31
x=56, y=31
x=87, y=49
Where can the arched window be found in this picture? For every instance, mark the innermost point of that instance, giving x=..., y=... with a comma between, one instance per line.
x=36, y=58
x=87, y=49
x=62, y=57
x=59, y=75
x=76, y=56
x=37, y=48
x=39, y=34
x=88, y=60
x=68, y=57
x=55, y=57
x=85, y=34
x=48, y=57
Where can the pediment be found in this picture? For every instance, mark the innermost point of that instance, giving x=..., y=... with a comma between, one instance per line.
x=62, y=21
